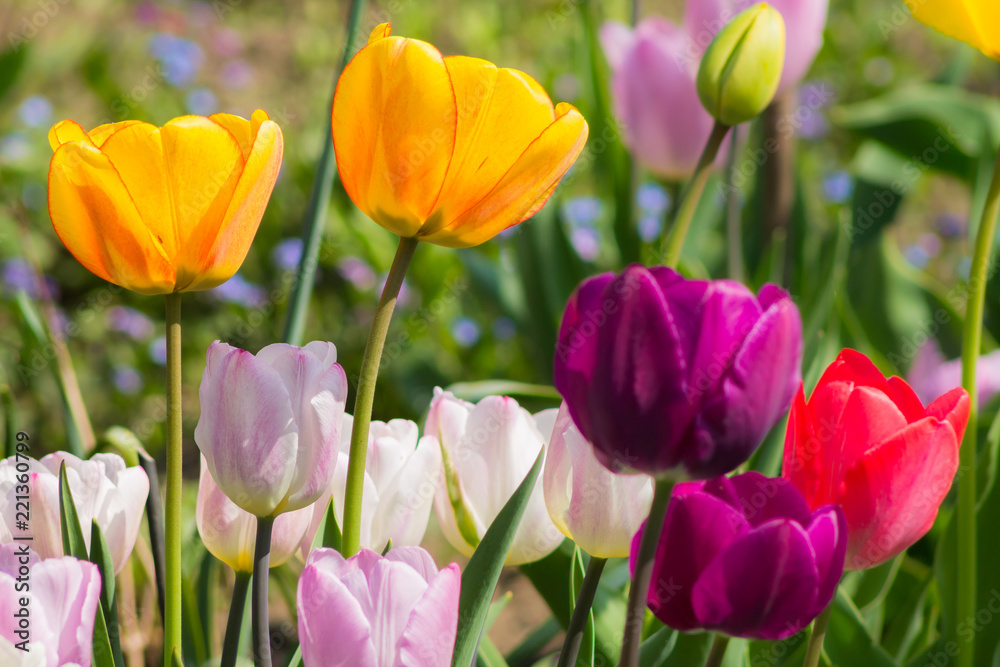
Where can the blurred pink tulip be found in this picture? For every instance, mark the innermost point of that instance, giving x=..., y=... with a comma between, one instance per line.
x=62, y=605
x=599, y=510
x=375, y=611
x=230, y=533
x=490, y=446
x=270, y=423
x=103, y=489
x=931, y=376
x=653, y=76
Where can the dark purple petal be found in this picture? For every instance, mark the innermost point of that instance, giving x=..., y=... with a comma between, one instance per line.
x=763, y=585
x=697, y=527
x=765, y=498
x=828, y=535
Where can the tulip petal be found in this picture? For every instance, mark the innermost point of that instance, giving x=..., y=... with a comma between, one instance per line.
x=765, y=498
x=429, y=637
x=953, y=408
x=240, y=128
x=802, y=461
x=828, y=536
x=524, y=187
x=616, y=41
x=732, y=593
x=892, y=494
x=973, y=22
x=205, y=165
x=393, y=143
x=321, y=597
x=709, y=524
x=249, y=438
x=395, y=591
x=905, y=399
x=416, y=558
x=500, y=113
x=97, y=221
x=229, y=246
x=68, y=591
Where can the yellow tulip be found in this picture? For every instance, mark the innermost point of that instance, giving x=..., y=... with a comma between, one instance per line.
x=168, y=209
x=975, y=22
x=450, y=150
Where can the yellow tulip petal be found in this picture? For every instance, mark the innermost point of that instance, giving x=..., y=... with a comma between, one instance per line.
x=500, y=112
x=381, y=31
x=393, y=139
x=64, y=131
x=525, y=187
x=204, y=165
x=239, y=128
x=975, y=22
x=137, y=155
x=97, y=221
x=245, y=210
x=102, y=133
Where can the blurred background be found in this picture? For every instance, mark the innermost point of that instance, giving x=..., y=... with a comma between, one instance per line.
x=871, y=233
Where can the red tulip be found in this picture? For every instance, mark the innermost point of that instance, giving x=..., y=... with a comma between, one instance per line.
x=868, y=444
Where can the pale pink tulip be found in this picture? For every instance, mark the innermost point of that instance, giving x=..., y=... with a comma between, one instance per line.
x=599, y=510
x=270, y=423
x=490, y=446
x=375, y=611
x=62, y=603
x=230, y=533
x=103, y=488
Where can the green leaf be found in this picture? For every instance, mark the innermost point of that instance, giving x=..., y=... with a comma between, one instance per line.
x=154, y=520
x=100, y=555
x=986, y=466
x=904, y=613
x=175, y=659
x=69, y=522
x=475, y=391
x=496, y=608
x=488, y=655
x=657, y=647
x=206, y=598
x=535, y=643
x=123, y=441
x=689, y=649
x=296, y=659
x=102, y=651
x=481, y=574
x=11, y=64
x=847, y=639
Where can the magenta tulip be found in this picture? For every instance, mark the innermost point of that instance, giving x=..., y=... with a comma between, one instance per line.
x=375, y=611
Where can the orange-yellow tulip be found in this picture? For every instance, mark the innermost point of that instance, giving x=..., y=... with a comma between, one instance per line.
x=448, y=150
x=163, y=209
x=975, y=22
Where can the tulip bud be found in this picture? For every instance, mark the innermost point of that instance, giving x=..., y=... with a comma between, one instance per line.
x=104, y=490
x=741, y=69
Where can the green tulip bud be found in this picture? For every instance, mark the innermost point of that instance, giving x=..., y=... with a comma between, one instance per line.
x=741, y=69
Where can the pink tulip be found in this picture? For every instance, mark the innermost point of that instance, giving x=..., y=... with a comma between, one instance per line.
x=270, y=423
x=931, y=376
x=230, y=533
x=375, y=611
x=62, y=603
x=103, y=490
x=654, y=68
x=599, y=510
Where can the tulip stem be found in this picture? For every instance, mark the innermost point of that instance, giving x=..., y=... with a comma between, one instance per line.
x=972, y=339
x=366, y=394
x=815, y=648
x=258, y=610
x=718, y=651
x=581, y=613
x=635, y=614
x=231, y=643
x=692, y=195
x=172, y=523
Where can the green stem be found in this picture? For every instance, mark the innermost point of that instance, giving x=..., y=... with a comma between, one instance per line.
x=172, y=523
x=231, y=643
x=581, y=613
x=718, y=651
x=366, y=395
x=675, y=240
x=815, y=648
x=733, y=211
x=319, y=199
x=972, y=338
x=635, y=614
x=258, y=595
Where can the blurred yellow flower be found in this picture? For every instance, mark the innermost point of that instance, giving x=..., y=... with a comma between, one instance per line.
x=161, y=210
x=450, y=150
x=975, y=22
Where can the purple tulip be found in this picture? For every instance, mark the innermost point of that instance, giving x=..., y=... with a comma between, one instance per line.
x=745, y=556
x=931, y=376
x=374, y=611
x=661, y=372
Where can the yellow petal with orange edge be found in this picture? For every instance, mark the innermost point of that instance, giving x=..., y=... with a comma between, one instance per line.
x=137, y=155
x=97, y=221
x=381, y=31
x=975, y=22
x=394, y=131
x=500, y=112
x=238, y=127
x=204, y=163
x=524, y=188
x=68, y=130
x=246, y=208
